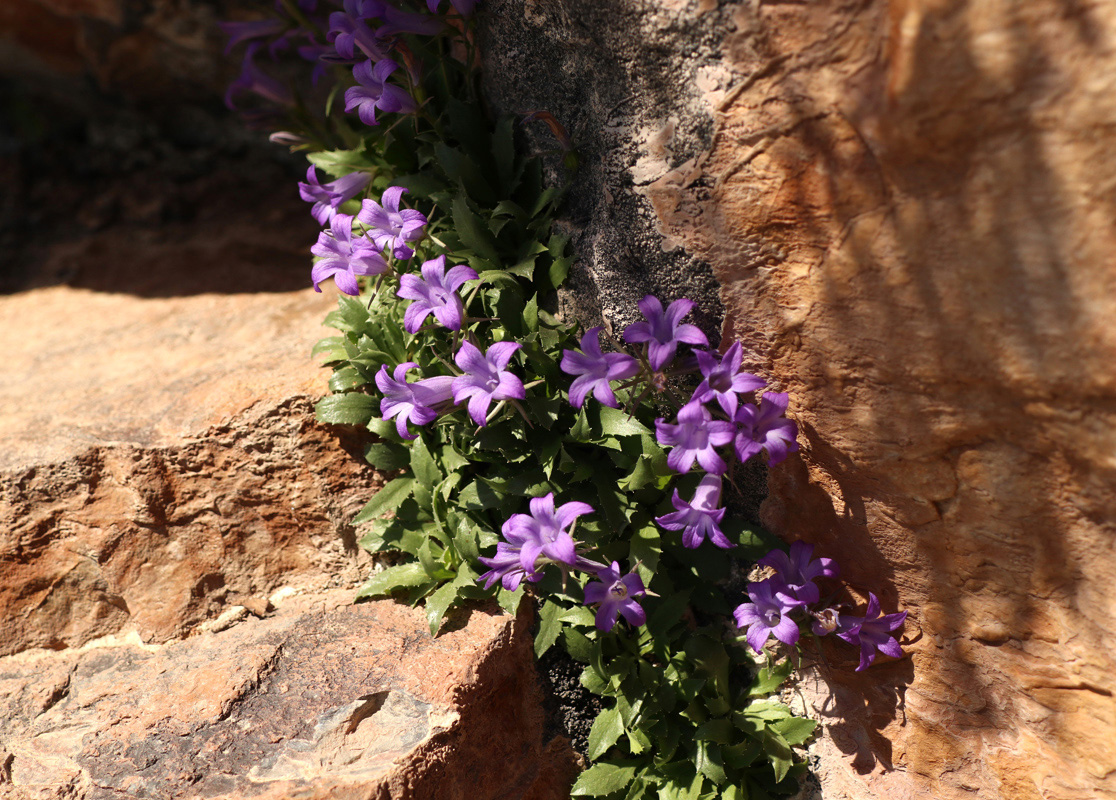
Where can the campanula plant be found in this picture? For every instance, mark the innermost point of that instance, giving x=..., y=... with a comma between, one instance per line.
x=587, y=472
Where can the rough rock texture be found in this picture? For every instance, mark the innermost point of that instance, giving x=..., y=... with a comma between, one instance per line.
x=321, y=699
x=908, y=207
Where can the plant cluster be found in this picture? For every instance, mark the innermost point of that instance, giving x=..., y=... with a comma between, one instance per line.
x=529, y=454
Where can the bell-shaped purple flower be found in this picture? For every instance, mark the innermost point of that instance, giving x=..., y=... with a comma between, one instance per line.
x=344, y=256
x=463, y=7
x=507, y=567
x=795, y=573
x=872, y=633
x=723, y=378
x=617, y=595
x=595, y=370
x=545, y=532
x=486, y=378
x=435, y=293
x=765, y=616
x=696, y=436
x=765, y=428
x=374, y=92
x=412, y=402
x=701, y=517
x=349, y=30
x=825, y=621
x=253, y=79
x=663, y=330
x=253, y=29
x=390, y=226
x=328, y=197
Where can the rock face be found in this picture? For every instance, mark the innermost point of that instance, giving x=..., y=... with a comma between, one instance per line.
x=909, y=212
x=321, y=699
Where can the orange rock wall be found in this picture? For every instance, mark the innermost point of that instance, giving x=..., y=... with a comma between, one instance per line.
x=933, y=187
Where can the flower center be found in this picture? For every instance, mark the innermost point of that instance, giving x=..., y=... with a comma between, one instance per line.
x=618, y=590
x=720, y=382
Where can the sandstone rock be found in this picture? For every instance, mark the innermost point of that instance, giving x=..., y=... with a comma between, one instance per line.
x=938, y=301
x=321, y=699
x=908, y=210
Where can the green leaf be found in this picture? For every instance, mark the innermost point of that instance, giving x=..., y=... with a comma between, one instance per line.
x=708, y=762
x=577, y=645
x=770, y=679
x=351, y=408
x=615, y=422
x=389, y=498
x=509, y=601
x=796, y=730
x=645, y=549
x=427, y=474
x=339, y=163
x=779, y=752
x=387, y=456
x=606, y=731
x=549, y=627
x=716, y=730
x=391, y=579
x=474, y=233
x=603, y=779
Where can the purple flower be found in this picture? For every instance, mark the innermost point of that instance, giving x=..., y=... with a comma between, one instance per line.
x=397, y=21
x=765, y=428
x=595, y=369
x=795, y=573
x=545, y=532
x=699, y=518
x=485, y=378
x=723, y=378
x=435, y=293
x=348, y=31
x=253, y=79
x=764, y=616
x=662, y=330
x=411, y=402
x=873, y=632
x=375, y=92
x=463, y=7
x=328, y=197
x=695, y=437
x=344, y=257
x=255, y=29
x=506, y=566
x=392, y=227
x=616, y=594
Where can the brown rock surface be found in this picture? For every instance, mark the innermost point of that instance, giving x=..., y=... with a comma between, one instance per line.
x=162, y=459
x=909, y=206
x=321, y=699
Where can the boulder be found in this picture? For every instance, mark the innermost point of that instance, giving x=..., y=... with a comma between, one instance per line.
x=907, y=210
x=319, y=699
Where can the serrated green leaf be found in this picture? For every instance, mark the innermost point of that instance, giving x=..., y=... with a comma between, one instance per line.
x=426, y=472
x=391, y=579
x=390, y=496
x=509, y=601
x=606, y=731
x=474, y=233
x=438, y=603
x=578, y=645
x=339, y=163
x=387, y=456
x=795, y=730
x=602, y=779
x=708, y=762
x=615, y=422
x=351, y=408
x=770, y=678
x=550, y=625
x=716, y=730
x=645, y=549
x=779, y=752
